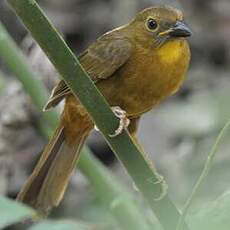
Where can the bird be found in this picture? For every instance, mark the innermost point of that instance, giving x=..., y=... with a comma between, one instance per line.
x=135, y=67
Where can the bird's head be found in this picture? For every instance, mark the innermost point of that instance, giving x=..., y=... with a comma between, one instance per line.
x=155, y=26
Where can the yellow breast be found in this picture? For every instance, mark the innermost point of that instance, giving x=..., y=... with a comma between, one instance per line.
x=171, y=51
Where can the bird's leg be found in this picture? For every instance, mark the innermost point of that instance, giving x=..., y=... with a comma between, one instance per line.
x=124, y=121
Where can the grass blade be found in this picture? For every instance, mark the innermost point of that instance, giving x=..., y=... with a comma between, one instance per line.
x=12, y=212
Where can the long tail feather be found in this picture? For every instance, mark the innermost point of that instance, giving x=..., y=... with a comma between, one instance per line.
x=46, y=186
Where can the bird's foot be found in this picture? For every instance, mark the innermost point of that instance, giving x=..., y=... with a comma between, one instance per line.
x=124, y=121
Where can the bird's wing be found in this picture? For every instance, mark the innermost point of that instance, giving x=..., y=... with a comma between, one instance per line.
x=105, y=56
x=100, y=60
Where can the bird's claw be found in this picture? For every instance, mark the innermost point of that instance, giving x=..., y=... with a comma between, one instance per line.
x=96, y=128
x=124, y=121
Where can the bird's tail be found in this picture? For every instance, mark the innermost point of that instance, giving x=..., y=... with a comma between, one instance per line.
x=46, y=186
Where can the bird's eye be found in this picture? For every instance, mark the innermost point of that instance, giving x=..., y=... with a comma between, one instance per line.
x=152, y=24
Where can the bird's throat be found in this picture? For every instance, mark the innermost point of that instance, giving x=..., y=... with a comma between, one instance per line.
x=171, y=51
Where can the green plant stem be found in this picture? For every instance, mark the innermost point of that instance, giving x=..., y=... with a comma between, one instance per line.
x=102, y=180
x=120, y=202
x=68, y=66
x=203, y=175
x=17, y=63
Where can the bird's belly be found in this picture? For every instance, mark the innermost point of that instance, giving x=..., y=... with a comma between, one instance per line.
x=138, y=95
x=141, y=96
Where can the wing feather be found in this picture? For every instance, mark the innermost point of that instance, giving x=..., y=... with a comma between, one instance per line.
x=101, y=60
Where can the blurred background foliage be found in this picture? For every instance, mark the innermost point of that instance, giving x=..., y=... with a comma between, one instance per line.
x=178, y=134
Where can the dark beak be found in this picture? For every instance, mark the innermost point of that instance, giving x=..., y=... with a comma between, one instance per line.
x=180, y=29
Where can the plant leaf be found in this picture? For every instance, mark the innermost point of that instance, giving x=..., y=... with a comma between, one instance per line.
x=12, y=212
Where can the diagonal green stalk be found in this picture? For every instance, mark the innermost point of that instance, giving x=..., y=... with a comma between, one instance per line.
x=69, y=67
x=120, y=202
x=203, y=175
x=104, y=183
